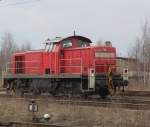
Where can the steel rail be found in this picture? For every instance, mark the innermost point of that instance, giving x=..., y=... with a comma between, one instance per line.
x=112, y=103
x=125, y=101
x=27, y=124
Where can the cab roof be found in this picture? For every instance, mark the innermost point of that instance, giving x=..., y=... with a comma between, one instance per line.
x=59, y=39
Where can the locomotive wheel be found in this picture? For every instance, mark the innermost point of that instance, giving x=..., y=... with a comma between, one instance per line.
x=19, y=92
x=16, y=87
x=53, y=88
x=104, y=91
x=36, y=92
x=84, y=95
x=9, y=89
x=34, y=88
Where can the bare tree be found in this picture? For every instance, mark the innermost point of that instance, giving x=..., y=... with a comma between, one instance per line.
x=136, y=53
x=146, y=51
x=25, y=46
x=8, y=46
x=141, y=52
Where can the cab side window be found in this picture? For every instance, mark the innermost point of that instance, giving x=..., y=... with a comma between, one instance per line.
x=82, y=43
x=66, y=44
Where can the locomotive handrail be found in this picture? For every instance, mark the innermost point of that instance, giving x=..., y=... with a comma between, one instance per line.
x=72, y=59
x=101, y=58
x=13, y=68
x=22, y=61
x=70, y=65
x=67, y=66
x=21, y=68
x=105, y=66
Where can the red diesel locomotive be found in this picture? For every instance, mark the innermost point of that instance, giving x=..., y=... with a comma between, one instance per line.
x=66, y=66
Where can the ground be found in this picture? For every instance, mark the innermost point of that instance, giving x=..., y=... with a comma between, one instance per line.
x=72, y=115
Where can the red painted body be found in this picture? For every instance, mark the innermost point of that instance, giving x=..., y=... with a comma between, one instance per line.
x=76, y=57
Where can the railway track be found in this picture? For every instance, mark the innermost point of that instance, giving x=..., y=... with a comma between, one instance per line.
x=134, y=104
x=137, y=101
x=108, y=104
x=27, y=124
x=135, y=93
x=126, y=105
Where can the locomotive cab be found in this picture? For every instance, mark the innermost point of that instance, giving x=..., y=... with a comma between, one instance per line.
x=65, y=43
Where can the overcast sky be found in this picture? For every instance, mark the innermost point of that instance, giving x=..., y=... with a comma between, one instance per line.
x=118, y=21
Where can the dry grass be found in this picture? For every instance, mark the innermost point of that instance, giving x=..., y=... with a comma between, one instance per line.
x=75, y=115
